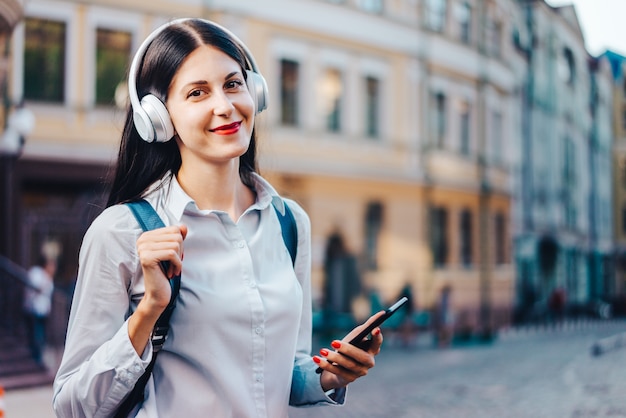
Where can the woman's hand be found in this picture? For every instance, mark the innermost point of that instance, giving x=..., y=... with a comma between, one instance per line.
x=347, y=363
x=153, y=248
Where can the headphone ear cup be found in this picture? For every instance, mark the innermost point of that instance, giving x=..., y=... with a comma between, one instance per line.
x=143, y=125
x=258, y=90
x=156, y=120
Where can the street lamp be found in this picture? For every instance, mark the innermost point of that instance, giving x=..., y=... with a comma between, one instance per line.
x=20, y=123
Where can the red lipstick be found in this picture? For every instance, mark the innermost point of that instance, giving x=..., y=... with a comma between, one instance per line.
x=229, y=129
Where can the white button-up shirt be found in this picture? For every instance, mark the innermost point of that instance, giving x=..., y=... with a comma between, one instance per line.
x=240, y=336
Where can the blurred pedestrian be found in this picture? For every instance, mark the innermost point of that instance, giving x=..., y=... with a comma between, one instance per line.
x=444, y=318
x=342, y=283
x=37, y=304
x=407, y=326
x=556, y=304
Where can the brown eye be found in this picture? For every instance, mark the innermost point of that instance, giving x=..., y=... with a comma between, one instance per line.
x=233, y=84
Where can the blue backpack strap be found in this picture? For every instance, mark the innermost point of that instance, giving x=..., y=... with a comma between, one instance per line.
x=289, y=230
x=149, y=220
x=146, y=215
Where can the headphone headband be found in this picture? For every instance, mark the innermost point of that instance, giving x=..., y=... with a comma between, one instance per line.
x=150, y=115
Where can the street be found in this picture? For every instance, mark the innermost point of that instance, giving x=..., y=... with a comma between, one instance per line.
x=542, y=374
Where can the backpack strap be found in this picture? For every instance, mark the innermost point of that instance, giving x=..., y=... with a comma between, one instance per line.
x=289, y=230
x=149, y=220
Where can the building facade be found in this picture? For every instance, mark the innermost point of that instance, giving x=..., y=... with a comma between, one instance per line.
x=563, y=202
x=618, y=66
x=420, y=133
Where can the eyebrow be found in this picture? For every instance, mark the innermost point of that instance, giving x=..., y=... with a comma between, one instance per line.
x=204, y=82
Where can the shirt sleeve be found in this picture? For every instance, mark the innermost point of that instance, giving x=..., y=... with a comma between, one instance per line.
x=306, y=388
x=100, y=366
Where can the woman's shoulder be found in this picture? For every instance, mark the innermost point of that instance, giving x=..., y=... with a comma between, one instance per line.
x=115, y=222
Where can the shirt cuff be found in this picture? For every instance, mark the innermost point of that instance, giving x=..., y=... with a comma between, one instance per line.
x=306, y=389
x=128, y=365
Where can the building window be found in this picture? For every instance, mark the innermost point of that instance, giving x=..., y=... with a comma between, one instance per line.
x=44, y=60
x=373, y=225
x=331, y=89
x=466, y=238
x=112, y=56
x=372, y=107
x=569, y=184
x=465, y=136
x=438, y=109
x=289, y=81
x=436, y=14
x=371, y=6
x=496, y=137
x=624, y=119
x=500, y=239
x=569, y=172
x=464, y=19
x=439, y=235
x=495, y=38
x=567, y=67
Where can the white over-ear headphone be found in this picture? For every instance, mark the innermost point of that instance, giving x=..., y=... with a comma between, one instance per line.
x=150, y=115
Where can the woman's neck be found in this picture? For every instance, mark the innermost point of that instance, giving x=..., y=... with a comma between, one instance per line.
x=217, y=188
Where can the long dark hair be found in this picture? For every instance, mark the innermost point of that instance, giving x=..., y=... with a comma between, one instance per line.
x=139, y=163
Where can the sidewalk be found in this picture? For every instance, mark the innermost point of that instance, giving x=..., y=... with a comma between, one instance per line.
x=37, y=402
x=29, y=403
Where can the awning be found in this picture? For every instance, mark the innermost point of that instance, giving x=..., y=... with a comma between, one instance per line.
x=11, y=11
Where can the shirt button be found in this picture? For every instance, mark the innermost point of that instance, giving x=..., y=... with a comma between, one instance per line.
x=258, y=330
x=240, y=244
x=137, y=368
x=252, y=285
x=259, y=378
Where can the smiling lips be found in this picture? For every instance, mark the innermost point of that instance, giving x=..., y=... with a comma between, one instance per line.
x=229, y=129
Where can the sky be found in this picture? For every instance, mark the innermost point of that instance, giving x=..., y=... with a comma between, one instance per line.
x=603, y=23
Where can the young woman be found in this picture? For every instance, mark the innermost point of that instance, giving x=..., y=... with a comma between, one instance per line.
x=240, y=337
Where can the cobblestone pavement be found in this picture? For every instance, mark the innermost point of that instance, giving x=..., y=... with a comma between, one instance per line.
x=524, y=374
x=534, y=374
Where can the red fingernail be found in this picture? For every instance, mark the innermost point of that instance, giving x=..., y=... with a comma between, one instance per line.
x=376, y=331
x=317, y=359
x=324, y=352
x=336, y=344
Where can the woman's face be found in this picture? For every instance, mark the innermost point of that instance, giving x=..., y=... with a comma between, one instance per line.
x=210, y=107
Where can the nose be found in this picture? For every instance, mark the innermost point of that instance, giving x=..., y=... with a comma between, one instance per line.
x=222, y=105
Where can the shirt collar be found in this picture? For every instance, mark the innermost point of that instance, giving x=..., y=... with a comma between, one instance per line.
x=178, y=201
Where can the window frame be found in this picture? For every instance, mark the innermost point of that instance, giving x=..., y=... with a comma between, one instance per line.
x=123, y=68
x=290, y=93
x=333, y=114
x=466, y=237
x=436, y=15
x=62, y=84
x=372, y=106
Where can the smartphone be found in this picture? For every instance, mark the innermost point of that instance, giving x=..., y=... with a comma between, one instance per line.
x=360, y=341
